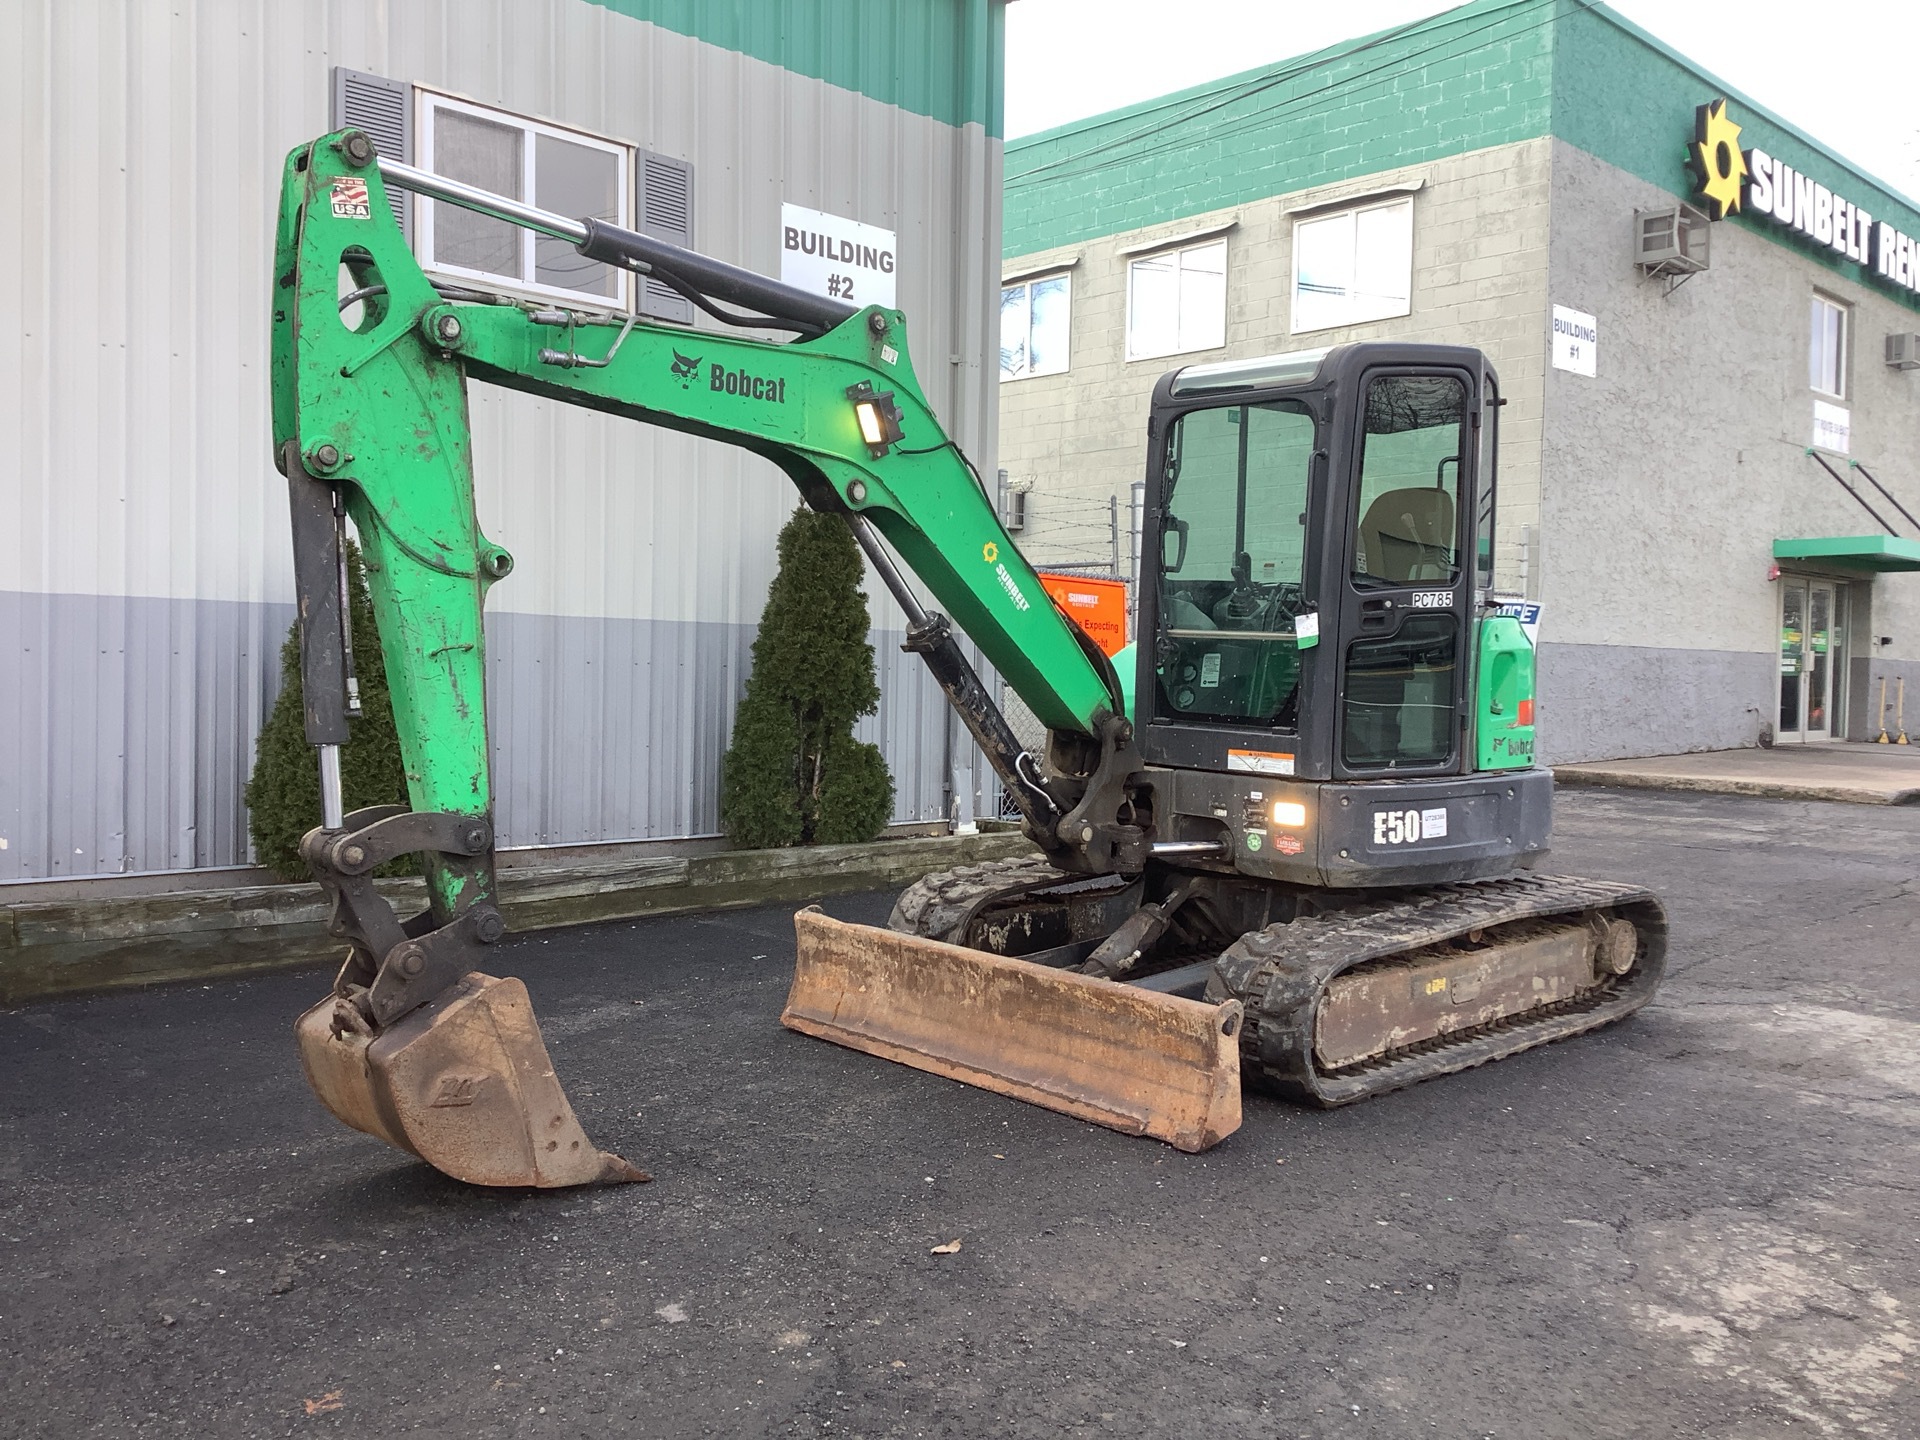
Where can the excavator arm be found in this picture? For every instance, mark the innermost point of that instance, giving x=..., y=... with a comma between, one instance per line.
x=370, y=404
x=370, y=364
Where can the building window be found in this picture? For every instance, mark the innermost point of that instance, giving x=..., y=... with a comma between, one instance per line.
x=1035, y=317
x=1827, y=355
x=565, y=171
x=1353, y=266
x=1177, y=301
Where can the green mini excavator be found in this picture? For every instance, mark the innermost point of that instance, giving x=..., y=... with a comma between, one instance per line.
x=1296, y=840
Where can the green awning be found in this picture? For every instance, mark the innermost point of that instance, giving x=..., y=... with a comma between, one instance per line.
x=1853, y=552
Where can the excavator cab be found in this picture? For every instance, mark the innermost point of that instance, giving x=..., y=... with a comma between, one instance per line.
x=1311, y=630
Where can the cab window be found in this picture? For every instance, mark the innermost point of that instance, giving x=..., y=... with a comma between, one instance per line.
x=1231, y=563
x=1408, y=499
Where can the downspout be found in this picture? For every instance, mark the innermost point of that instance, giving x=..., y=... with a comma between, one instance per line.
x=967, y=334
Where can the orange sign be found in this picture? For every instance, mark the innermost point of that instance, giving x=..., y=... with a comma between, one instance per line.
x=1099, y=607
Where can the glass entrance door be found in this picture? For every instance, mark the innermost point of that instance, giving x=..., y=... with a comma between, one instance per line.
x=1812, y=658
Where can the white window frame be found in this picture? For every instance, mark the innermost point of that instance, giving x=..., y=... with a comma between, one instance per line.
x=1840, y=356
x=1027, y=282
x=1359, y=315
x=1180, y=345
x=427, y=102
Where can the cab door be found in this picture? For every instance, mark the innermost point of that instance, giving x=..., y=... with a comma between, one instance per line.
x=1409, y=575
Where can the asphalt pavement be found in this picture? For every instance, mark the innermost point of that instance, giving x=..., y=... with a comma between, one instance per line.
x=1702, y=1222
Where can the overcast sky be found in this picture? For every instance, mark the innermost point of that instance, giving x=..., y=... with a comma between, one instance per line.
x=1844, y=71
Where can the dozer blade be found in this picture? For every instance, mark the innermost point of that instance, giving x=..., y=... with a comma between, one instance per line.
x=1133, y=1060
x=464, y=1083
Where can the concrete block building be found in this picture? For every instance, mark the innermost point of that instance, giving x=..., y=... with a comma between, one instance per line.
x=1703, y=322
x=145, y=563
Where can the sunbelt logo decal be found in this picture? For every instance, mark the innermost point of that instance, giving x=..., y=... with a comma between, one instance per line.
x=990, y=553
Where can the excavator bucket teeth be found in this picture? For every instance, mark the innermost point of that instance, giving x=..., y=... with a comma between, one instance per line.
x=1133, y=1060
x=464, y=1083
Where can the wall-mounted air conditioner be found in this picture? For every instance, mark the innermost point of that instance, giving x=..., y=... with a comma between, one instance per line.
x=1013, y=501
x=1015, y=518
x=1671, y=242
x=1903, y=352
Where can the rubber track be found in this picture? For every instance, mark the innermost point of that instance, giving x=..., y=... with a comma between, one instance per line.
x=938, y=906
x=1280, y=972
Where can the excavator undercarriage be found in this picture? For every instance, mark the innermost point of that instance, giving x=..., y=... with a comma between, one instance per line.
x=1335, y=996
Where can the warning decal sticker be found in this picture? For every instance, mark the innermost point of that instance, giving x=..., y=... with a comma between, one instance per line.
x=1260, y=762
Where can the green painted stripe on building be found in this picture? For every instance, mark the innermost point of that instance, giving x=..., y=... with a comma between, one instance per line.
x=1476, y=76
x=944, y=59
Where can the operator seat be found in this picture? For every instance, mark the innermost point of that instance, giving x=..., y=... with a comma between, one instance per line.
x=1407, y=537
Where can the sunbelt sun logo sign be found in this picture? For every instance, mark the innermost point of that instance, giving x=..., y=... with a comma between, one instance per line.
x=1729, y=180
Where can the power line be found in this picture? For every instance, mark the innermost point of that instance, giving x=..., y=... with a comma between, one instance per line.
x=1251, y=87
x=1267, y=83
x=1241, y=123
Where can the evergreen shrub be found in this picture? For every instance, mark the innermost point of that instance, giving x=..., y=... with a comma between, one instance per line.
x=794, y=774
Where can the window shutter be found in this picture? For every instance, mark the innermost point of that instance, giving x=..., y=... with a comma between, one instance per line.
x=666, y=213
x=384, y=109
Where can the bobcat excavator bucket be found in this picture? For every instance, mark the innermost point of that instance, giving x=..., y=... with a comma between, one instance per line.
x=463, y=1082
x=1134, y=1060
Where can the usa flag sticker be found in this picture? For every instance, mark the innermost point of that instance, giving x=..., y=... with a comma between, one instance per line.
x=350, y=198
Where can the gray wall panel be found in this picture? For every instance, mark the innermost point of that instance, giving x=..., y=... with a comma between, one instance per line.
x=1614, y=702
x=614, y=729
x=126, y=734
x=1606, y=702
x=119, y=735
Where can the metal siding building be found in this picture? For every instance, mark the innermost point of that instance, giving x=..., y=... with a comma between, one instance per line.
x=145, y=572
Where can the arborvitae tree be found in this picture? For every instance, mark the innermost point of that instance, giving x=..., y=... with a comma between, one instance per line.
x=794, y=774
x=283, y=797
